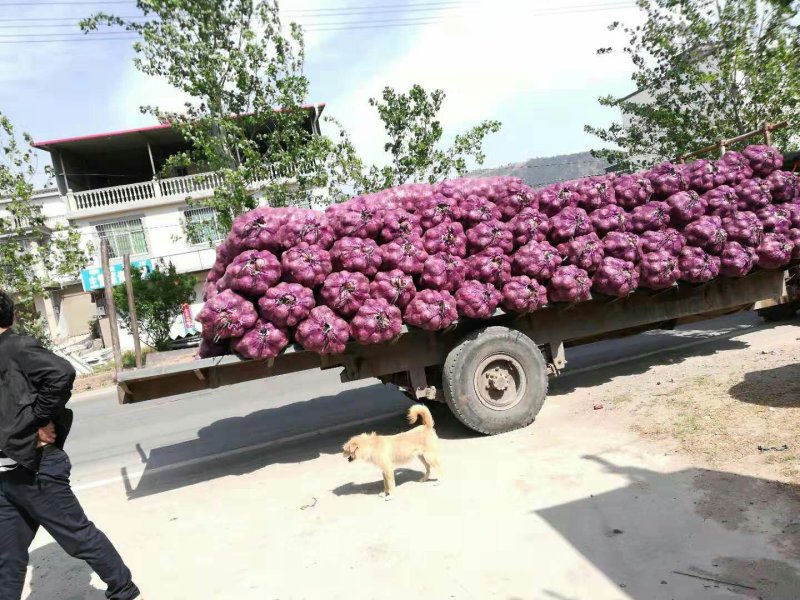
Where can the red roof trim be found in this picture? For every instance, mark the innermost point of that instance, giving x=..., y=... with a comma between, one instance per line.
x=95, y=136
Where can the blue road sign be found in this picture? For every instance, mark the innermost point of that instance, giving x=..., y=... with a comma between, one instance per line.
x=93, y=279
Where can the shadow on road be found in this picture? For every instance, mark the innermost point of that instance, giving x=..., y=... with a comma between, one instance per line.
x=187, y=463
x=778, y=387
x=372, y=488
x=569, y=383
x=57, y=576
x=707, y=525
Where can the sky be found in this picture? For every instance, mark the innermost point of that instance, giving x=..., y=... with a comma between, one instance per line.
x=531, y=64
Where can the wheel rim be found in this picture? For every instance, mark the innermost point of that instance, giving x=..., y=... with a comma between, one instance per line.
x=500, y=382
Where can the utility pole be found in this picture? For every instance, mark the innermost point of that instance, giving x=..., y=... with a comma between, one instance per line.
x=111, y=309
x=137, y=347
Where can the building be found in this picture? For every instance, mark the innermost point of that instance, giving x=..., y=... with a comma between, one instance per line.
x=111, y=187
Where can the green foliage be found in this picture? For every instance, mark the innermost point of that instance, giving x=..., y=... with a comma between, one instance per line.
x=33, y=257
x=712, y=69
x=94, y=328
x=159, y=299
x=415, y=133
x=238, y=64
x=129, y=358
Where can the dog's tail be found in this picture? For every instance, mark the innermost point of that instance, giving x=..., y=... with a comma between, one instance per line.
x=420, y=410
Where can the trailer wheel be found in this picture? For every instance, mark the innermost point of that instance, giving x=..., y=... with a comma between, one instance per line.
x=495, y=380
x=780, y=312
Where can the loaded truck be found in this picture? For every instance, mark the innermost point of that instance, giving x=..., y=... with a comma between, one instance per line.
x=493, y=373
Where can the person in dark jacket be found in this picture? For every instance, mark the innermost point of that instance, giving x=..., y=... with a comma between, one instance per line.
x=35, y=386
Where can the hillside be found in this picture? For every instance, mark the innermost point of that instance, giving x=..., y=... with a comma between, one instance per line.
x=541, y=171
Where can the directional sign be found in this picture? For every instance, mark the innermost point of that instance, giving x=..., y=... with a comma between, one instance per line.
x=93, y=279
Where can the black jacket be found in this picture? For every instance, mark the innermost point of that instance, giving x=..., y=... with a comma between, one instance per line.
x=35, y=386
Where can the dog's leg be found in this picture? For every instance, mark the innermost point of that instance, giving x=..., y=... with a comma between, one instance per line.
x=436, y=466
x=427, y=468
x=388, y=477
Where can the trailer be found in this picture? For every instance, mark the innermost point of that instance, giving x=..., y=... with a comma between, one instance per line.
x=493, y=374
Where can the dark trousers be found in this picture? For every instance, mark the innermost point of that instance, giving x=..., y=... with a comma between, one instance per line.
x=26, y=502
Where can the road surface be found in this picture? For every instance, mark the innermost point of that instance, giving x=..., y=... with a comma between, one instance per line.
x=110, y=442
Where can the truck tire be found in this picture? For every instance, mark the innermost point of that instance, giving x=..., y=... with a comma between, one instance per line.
x=780, y=312
x=495, y=380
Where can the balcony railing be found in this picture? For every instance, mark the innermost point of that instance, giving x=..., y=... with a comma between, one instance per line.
x=149, y=193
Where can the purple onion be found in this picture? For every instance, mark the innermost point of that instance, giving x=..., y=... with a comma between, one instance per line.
x=737, y=167
x=227, y=315
x=447, y=237
x=529, y=225
x=609, y=218
x=594, y=193
x=775, y=217
x=737, y=260
x=476, y=209
x=555, y=198
x=490, y=266
x=615, y=277
x=410, y=196
x=658, y=270
x=356, y=218
x=698, y=266
x=794, y=238
x=400, y=223
x=258, y=229
x=263, y=341
x=624, y=246
x=685, y=207
x=323, y=332
x=775, y=251
x=345, y=292
x=211, y=349
x=722, y=201
x=253, y=272
x=307, y=226
x=784, y=186
x=438, y=210
x=704, y=175
x=570, y=284
x=515, y=198
x=431, y=310
x=538, y=260
x=793, y=210
x=753, y=194
x=631, y=191
x=523, y=295
x=286, y=304
x=706, y=233
x=763, y=159
x=443, y=272
x=210, y=290
x=376, y=322
x=570, y=223
x=477, y=300
x=396, y=287
x=356, y=254
x=406, y=254
x=306, y=264
x=492, y=234
x=745, y=228
x=650, y=217
x=585, y=252
x=667, y=179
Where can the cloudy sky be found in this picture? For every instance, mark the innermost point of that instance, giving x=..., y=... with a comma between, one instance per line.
x=530, y=64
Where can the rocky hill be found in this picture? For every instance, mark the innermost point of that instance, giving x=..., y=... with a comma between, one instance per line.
x=537, y=172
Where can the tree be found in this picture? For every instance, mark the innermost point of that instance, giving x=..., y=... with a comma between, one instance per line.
x=247, y=118
x=159, y=297
x=415, y=133
x=712, y=69
x=33, y=256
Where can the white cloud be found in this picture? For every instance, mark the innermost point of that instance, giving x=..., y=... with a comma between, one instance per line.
x=492, y=52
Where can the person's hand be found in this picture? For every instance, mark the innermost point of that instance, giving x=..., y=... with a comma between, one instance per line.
x=47, y=434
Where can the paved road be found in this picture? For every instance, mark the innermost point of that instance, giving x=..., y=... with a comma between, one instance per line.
x=109, y=440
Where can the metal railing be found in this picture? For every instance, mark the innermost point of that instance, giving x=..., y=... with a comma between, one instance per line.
x=169, y=189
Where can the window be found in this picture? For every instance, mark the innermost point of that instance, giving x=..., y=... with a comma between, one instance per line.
x=202, y=226
x=124, y=237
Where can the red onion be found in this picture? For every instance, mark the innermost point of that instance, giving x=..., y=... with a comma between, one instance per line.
x=227, y=315
x=624, y=246
x=529, y=225
x=406, y=254
x=650, y=217
x=345, y=292
x=396, y=287
x=609, y=218
x=492, y=234
x=745, y=228
x=722, y=201
x=443, y=271
x=263, y=341
x=615, y=277
x=437, y=210
x=307, y=226
x=570, y=223
x=585, y=252
x=697, y=266
x=286, y=304
x=775, y=251
x=375, y=322
x=431, y=310
x=631, y=191
x=477, y=300
x=570, y=284
x=400, y=224
x=753, y=194
x=763, y=159
x=253, y=272
x=737, y=260
x=356, y=254
x=323, y=332
x=658, y=270
x=306, y=264
x=476, y=209
x=706, y=233
x=523, y=294
x=538, y=260
x=490, y=266
x=686, y=207
x=447, y=237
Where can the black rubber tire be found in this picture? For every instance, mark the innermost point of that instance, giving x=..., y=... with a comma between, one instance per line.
x=780, y=312
x=458, y=380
